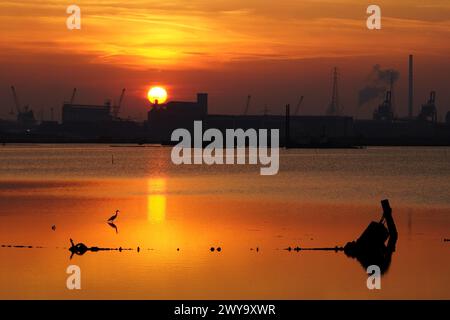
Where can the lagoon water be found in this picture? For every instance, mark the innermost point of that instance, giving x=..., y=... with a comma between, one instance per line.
x=318, y=198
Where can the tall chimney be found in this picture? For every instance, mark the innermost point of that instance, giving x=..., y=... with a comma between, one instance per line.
x=410, y=90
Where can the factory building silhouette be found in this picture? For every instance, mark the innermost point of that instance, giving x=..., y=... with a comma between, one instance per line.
x=101, y=123
x=164, y=118
x=78, y=113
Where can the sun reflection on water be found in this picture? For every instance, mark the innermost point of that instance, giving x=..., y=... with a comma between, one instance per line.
x=156, y=200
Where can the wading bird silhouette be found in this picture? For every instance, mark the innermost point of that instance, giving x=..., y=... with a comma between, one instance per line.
x=114, y=216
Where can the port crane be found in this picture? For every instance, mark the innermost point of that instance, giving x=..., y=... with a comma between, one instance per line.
x=25, y=116
x=247, y=105
x=72, y=99
x=429, y=110
x=297, y=108
x=116, y=108
x=16, y=101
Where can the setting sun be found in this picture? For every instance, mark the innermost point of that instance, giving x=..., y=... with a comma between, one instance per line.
x=157, y=95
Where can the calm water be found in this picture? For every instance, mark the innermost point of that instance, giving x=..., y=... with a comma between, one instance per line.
x=319, y=198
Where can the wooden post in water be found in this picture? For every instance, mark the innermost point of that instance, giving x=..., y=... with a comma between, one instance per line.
x=287, y=127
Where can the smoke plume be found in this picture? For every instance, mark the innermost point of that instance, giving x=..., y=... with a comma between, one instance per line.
x=378, y=81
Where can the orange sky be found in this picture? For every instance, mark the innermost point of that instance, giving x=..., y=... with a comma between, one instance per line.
x=274, y=50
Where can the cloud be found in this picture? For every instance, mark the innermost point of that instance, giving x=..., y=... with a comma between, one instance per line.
x=164, y=34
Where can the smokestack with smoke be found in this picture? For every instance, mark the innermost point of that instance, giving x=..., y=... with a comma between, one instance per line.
x=378, y=81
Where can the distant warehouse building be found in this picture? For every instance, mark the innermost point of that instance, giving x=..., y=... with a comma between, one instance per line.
x=162, y=119
x=178, y=110
x=80, y=113
x=98, y=122
x=304, y=130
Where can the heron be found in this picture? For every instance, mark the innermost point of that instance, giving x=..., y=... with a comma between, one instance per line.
x=114, y=216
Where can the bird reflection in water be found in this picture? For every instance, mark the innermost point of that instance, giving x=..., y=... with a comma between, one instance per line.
x=112, y=225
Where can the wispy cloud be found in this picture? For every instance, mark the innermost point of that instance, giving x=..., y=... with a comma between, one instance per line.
x=204, y=34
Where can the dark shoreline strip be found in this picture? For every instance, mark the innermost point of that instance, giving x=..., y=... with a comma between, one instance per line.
x=20, y=246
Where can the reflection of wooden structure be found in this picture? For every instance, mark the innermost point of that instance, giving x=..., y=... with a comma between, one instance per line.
x=81, y=248
x=371, y=248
